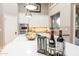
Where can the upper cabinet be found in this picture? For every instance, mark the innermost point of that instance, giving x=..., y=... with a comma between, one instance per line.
x=55, y=21
x=63, y=20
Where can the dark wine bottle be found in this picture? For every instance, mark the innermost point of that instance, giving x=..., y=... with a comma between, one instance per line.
x=52, y=44
x=60, y=44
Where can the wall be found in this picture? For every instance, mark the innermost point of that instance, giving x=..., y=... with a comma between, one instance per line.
x=10, y=13
x=37, y=19
x=65, y=16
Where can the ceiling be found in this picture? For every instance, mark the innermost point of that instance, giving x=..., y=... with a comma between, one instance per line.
x=44, y=8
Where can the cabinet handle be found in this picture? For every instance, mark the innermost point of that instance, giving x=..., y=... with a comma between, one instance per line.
x=66, y=34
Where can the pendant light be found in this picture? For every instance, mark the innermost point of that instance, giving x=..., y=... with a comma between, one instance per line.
x=28, y=14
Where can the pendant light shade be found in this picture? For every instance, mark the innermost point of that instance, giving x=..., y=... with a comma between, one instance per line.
x=28, y=14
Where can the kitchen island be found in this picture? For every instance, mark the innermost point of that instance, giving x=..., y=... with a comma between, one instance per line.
x=70, y=49
x=21, y=46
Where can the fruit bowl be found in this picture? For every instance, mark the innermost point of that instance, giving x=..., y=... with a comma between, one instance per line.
x=31, y=35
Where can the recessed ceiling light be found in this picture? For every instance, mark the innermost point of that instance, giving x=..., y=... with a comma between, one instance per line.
x=31, y=7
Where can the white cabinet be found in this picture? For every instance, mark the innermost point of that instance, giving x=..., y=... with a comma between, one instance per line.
x=1, y=28
x=8, y=22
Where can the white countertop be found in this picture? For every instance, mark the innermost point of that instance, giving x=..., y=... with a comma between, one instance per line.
x=71, y=49
x=23, y=47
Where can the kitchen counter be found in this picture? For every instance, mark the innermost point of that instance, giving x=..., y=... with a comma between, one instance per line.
x=70, y=49
x=21, y=46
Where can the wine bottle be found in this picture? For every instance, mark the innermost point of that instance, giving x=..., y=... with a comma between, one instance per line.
x=60, y=44
x=52, y=44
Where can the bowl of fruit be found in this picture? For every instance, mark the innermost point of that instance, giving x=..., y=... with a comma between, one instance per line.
x=31, y=35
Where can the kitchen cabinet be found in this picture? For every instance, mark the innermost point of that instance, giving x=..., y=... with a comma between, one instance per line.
x=65, y=18
x=8, y=23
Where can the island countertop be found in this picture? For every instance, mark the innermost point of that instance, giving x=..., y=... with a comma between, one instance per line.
x=70, y=49
x=21, y=46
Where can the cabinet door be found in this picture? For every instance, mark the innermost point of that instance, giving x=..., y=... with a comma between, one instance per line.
x=1, y=28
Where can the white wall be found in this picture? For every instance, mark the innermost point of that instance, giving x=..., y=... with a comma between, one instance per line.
x=65, y=17
x=10, y=13
x=35, y=20
x=22, y=18
x=39, y=21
